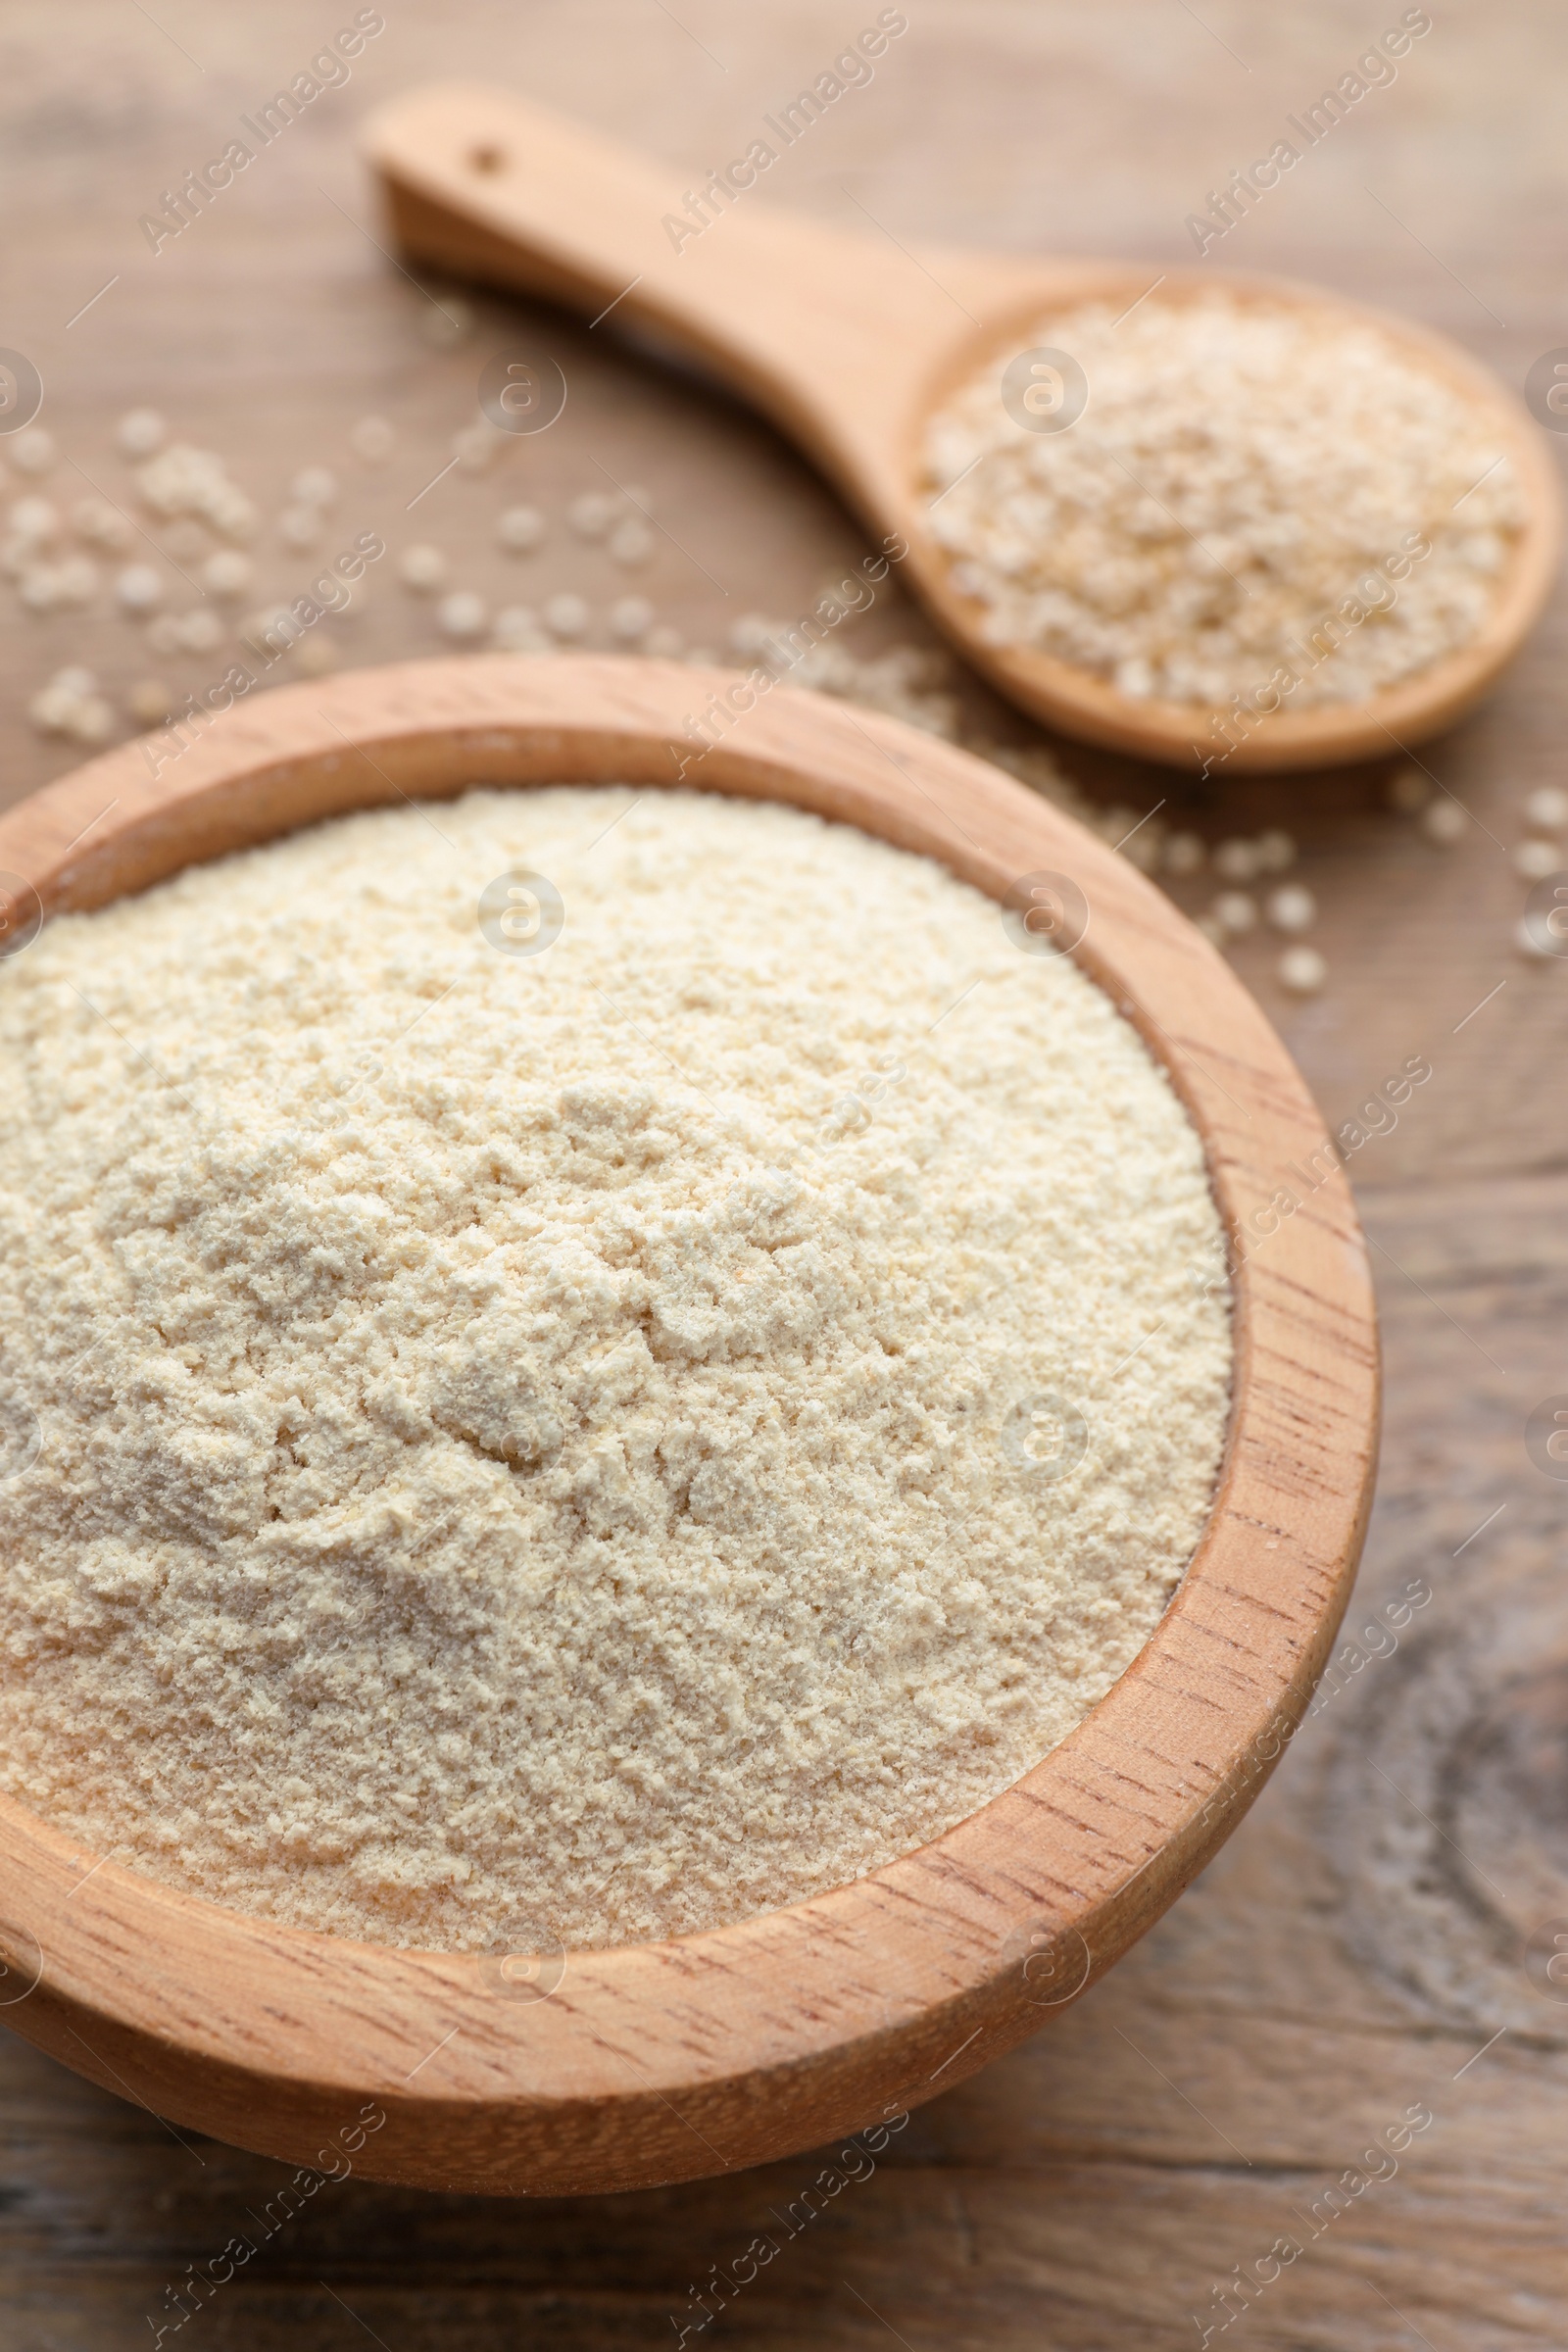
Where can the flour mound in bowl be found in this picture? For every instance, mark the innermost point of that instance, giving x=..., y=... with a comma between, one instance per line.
x=625, y=1434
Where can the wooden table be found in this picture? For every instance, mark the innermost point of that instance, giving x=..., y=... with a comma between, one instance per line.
x=1356, y=1952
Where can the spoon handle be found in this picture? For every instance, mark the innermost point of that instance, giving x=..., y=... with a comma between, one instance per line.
x=831, y=335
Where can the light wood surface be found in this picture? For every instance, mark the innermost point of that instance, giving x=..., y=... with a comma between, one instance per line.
x=656, y=2063
x=1340, y=1960
x=851, y=356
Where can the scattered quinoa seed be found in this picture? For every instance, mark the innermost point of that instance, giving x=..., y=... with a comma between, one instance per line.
x=32, y=451
x=35, y=519
x=316, y=655
x=228, y=574
x=70, y=705
x=631, y=544
x=301, y=527
x=198, y=632
x=1546, y=808
x=139, y=432
x=1235, y=910
x=1235, y=860
x=150, y=701
x=102, y=525
x=138, y=588
x=1292, y=907
x=517, y=630
x=314, y=486
x=1445, y=822
x=749, y=635
x=1302, y=971
x=76, y=580
x=1536, y=860
x=631, y=618
x=1184, y=854
x=519, y=529
x=476, y=445
x=422, y=568
x=372, y=440
x=565, y=615
x=463, y=613
x=591, y=514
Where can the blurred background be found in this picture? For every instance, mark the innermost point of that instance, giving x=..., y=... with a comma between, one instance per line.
x=1370, y=1943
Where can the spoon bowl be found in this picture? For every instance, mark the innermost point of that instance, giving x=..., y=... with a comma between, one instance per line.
x=850, y=343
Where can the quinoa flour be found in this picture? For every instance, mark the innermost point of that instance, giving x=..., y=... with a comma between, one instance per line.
x=626, y=1436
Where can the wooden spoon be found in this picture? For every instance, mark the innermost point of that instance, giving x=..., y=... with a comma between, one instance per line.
x=664, y=2061
x=850, y=342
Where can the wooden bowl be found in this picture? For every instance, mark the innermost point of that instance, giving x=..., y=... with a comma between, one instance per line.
x=661, y=2062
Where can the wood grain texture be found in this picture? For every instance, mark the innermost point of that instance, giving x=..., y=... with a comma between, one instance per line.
x=650, y=2064
x=850, y=357
x=1338, y=1961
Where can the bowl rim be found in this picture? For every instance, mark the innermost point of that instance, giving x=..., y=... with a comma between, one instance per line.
x=651, y=2063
